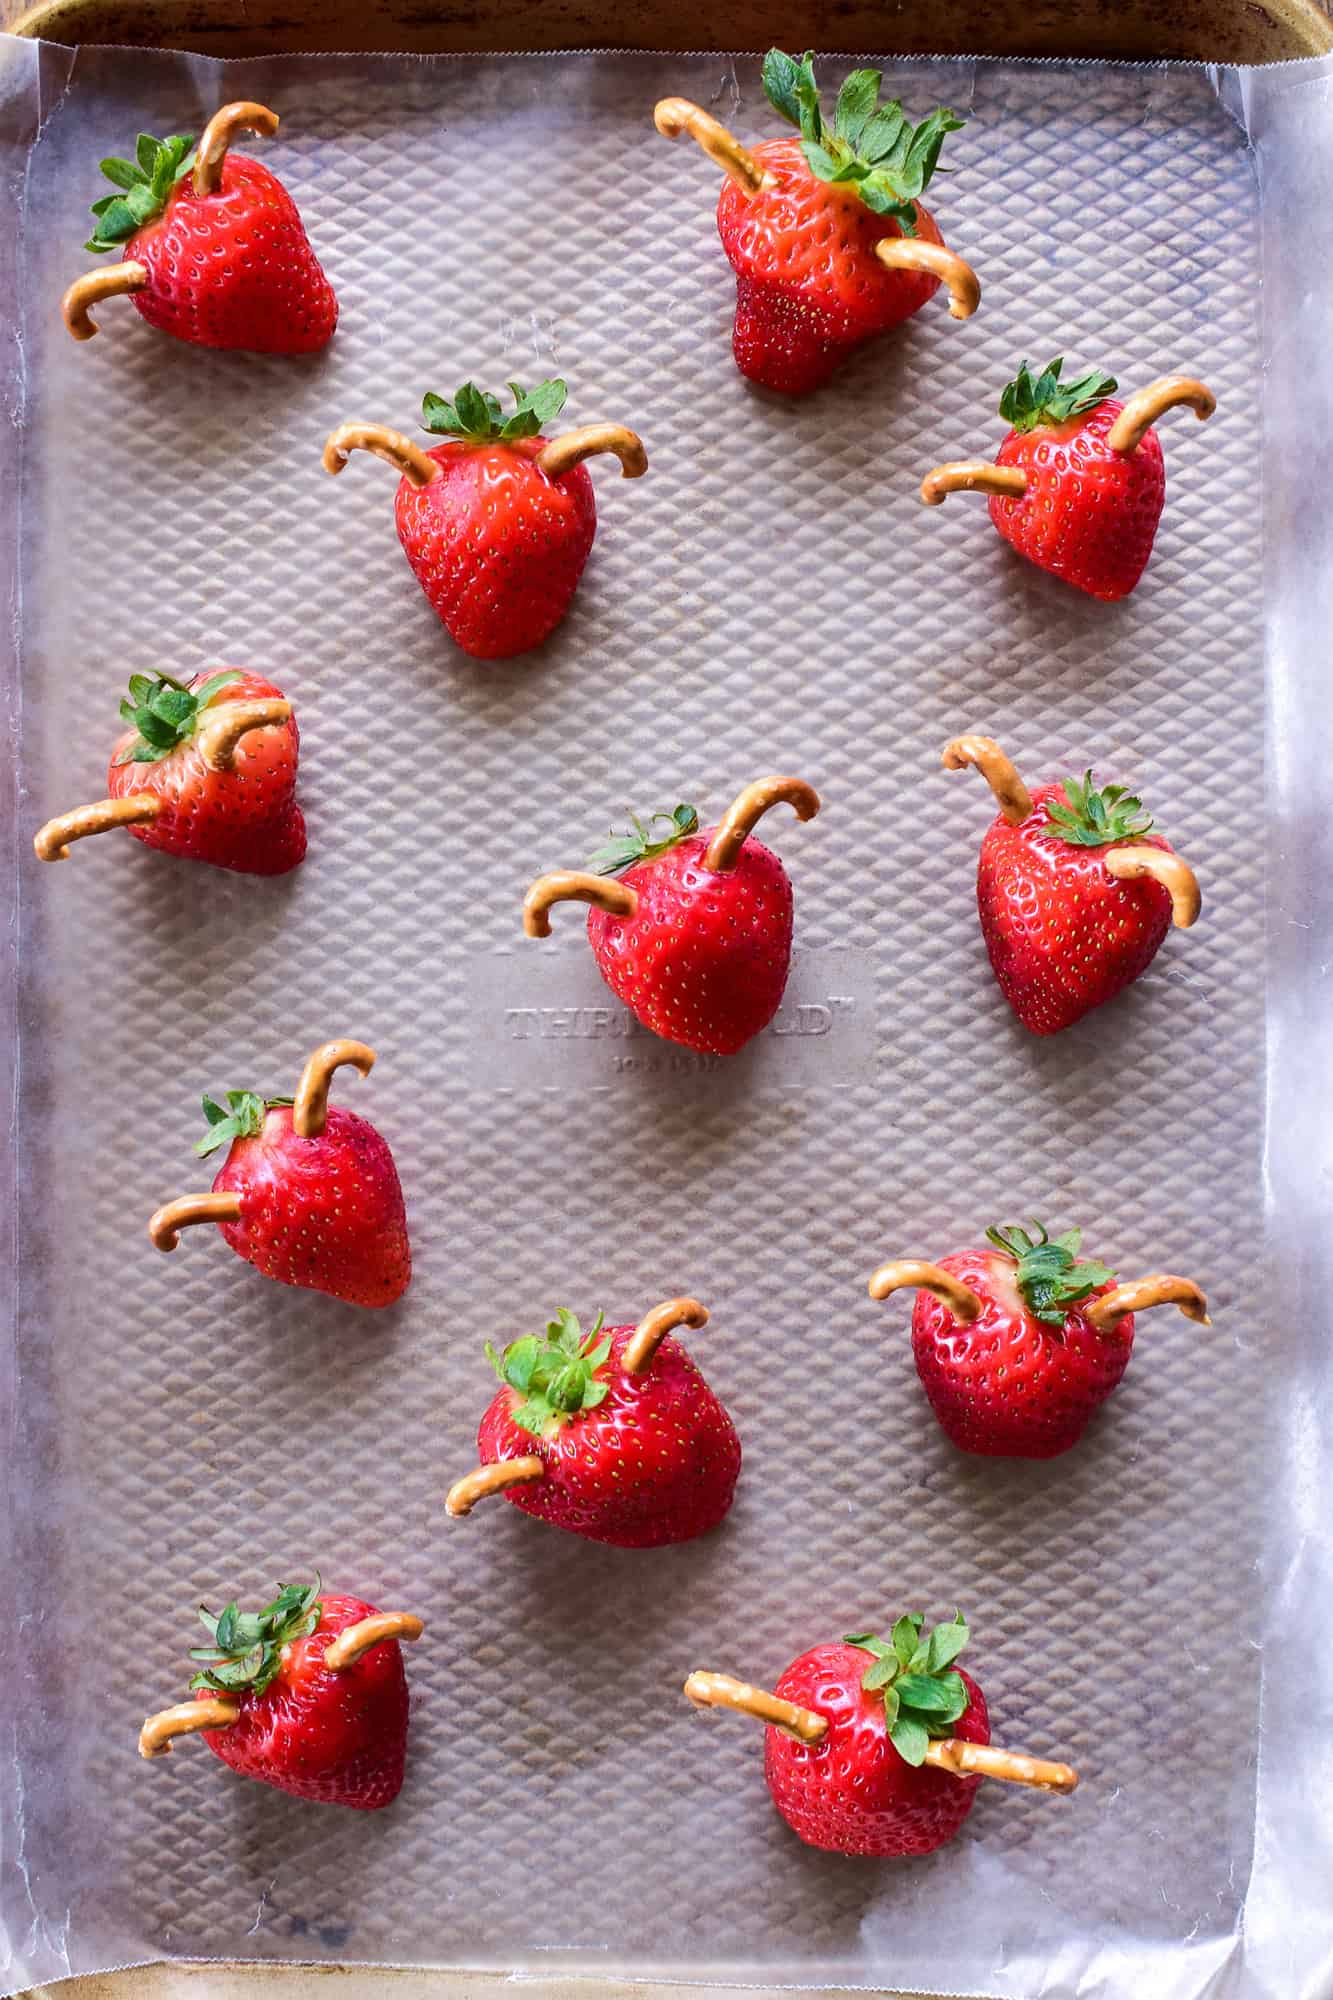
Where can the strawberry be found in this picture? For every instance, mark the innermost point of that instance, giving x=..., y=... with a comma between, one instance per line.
x=827, y=234
x=206, y=770
x=613, y=1433
x=308, y=1695
x=497, y=524
x=1019, y=1344
x=214, y=251
x=695, y=937
x=876, y=1747
x=1074, y=889
x=1078, y=484
x=308, y=1194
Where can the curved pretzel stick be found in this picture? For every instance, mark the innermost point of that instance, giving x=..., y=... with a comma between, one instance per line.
x=1145, y=406
x=910, y=253
x=745, y=812
x=1130, y=864
x=987, y=1760
x=572, y=447
x=311, y=1106
x=185, y=1719
x=219, y=132
x=52, y=842
x=721, y=1691
x=573, y=885
x=187, y=1210
x=415, y=465
x=1013, y=796
x=356, y=1640
x=223, y=727
x=909, y=1273
x=464, y=1494
x=973, y=475
x=653, y=1329
x=111, y=281
x=674, y=115
x=1142, y=1294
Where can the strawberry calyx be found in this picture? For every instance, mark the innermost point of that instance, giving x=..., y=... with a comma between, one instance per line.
x=166, y=713
x=1030, y=403
x=555, y=1374
x=478, y=417
x=922, y=1697
x=624, y=850
x=245, y=1649
x=1051, y=1276
x=145, y=184
x=1095, y=815
x=242, y=1117
x=870, y=147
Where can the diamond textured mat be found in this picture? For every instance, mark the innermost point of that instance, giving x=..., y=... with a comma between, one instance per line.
x=771, y=596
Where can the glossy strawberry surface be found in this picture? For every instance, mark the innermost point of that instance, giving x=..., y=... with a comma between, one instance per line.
x=496, y=545
x=655, y=1462
x=852, y=1793
x=1089, y=514
x=245, y=818
x=235, y=269
x=704, y=959
x=1009, y=1384
x=324, y=1213
x=809, y=288
x=337, y=1738
x=1063, y=934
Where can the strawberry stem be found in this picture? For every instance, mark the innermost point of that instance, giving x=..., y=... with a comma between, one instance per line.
x=870, y=149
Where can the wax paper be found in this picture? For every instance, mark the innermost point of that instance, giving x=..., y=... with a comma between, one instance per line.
x=771, y=596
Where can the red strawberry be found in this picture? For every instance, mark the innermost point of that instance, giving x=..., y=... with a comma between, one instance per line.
x=308, y=1194
x=695, y=937
x=1017, y=1346
x=206, y=770
x=826, y=233
x=1074, y=890
x=613, y=1434
x=1078, y=485
x=878, y=1748
x=308, y=1695
x=214, y=248
x=497, y=524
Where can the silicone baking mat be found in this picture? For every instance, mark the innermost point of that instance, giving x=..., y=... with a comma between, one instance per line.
x=771, y=596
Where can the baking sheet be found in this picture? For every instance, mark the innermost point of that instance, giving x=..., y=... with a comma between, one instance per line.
x=771, y=596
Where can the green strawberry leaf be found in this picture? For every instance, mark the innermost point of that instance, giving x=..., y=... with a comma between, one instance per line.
x=624, y=850
x=1030, y=403
x=922, y=1695
x=241, y=1118
x=477, y=416
x=1095, y=816
x=1050, y=1275
x=869, y=147
x=165, y=714
x=146, y=184
x=910, y=1738
x=247, y=1649
x=555, y=1374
